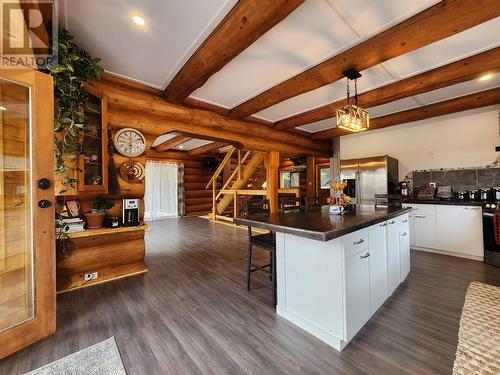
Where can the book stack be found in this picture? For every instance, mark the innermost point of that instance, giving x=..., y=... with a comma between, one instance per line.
x=74, y=225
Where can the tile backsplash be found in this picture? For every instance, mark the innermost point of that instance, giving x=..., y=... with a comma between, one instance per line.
x=458, y=179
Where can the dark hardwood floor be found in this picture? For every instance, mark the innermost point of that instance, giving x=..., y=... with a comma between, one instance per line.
x=192, y=314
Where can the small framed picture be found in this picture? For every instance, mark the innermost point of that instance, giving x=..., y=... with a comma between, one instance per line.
x=73, y=208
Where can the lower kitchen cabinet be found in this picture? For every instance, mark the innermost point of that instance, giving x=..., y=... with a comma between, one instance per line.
x=460, y=229
x=378, y=265
x=393, y=258
x=452, y=230
x=404, y=251
x=357, y=288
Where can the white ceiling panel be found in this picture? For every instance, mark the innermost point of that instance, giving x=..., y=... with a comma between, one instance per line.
x=192, y=143
x=312, y=33
x=392, y=107
x=372, y=78
x=456, y=47
x=319, y=125
x=152, y=54
x=163, y=138
x=369, y=17
x=459, y=89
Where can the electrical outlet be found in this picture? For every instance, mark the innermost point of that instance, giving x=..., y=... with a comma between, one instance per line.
x=432, y=184
x=91, y=276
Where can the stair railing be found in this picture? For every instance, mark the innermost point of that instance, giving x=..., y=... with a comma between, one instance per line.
x=213, y=180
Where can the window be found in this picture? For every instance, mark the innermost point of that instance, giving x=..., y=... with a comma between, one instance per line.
x=289, y=180
x=324, y=177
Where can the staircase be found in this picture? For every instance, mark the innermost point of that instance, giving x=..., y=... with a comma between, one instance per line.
x=245, y=181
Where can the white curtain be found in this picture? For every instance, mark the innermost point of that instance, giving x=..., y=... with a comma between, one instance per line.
x=161, y=196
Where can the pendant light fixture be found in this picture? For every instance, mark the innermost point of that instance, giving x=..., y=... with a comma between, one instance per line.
x=351, y=117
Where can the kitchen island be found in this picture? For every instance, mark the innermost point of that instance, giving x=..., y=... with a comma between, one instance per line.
x=335, y=271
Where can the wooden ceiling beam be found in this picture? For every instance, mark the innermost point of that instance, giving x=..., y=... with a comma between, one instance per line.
x=456, y=72
x=440, y=21
x=244, y=24
x=477, y=100
x=154, y=115
x=206, y=149
x=171, y=143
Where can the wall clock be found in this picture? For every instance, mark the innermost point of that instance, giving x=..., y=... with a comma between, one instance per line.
x=129, y=142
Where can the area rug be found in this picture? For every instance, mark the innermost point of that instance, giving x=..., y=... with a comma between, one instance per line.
x=478, y=350
x=100, y=359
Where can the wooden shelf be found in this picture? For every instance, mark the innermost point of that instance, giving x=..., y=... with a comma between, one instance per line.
x=105, y=231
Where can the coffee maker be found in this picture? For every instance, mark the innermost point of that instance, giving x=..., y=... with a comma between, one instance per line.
x=130, y=212
x=405, y=189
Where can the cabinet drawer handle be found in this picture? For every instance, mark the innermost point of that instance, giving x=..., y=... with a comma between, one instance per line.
x=472, y=208
x=365, y=256
x=420, y=217
x=392, y=222
x=358, y=242
x=405, y=221
x=383, y=224
x=404, y=234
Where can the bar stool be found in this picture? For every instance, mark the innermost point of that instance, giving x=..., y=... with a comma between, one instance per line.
x=265, y=241
x=311, y=202
x=290, y=203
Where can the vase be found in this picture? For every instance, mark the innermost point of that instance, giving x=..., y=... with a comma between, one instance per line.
x=94, y=220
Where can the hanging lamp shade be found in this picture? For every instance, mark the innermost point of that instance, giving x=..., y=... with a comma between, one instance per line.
x=352, y=117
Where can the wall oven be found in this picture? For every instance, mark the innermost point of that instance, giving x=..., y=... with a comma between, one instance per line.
x=491, y=248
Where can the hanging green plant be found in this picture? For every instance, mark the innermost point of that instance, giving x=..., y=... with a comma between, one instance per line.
x=75, y=66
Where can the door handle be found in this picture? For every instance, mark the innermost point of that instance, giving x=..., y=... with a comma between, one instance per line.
x=43, y=183
x=358, y=242
x=365, y=256
x=44, y=203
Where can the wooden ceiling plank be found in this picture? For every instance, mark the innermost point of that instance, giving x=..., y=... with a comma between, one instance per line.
x=206, y=149
x=244, y=24
x=446, y=18
x=462, y=103
x=171, y=143
x=456, y=72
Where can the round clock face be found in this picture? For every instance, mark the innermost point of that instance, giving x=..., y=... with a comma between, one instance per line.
x=129, y=142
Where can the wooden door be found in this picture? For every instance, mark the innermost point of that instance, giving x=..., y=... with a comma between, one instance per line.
x=27, y=253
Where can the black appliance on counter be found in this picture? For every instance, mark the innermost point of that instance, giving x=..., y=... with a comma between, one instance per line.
x=473, y=195
x=496, y=194
x=130, y=214
x=491, y=248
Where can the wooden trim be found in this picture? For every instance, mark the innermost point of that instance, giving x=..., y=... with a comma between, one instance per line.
x=130, y=84
x=477, y=100
x=42, y=135
x=459, y=71
x=440, y=21
x=206, y=149
x=311, y=176
x=245, y=23
x=221, y=166
x=171, y=143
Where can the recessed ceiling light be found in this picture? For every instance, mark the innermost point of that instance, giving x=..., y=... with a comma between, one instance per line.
x=138, y=20
x=2, y=108
x=485, y=77
x=181, y=146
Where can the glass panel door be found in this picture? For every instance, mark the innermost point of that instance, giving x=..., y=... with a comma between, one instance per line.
x=16, y=248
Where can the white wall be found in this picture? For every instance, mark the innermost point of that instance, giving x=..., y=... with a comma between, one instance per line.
x=463, y=139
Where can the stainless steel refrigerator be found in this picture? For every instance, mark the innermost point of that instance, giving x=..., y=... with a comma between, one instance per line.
x=369, y=176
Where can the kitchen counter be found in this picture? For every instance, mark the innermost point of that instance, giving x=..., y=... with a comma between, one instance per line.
x=333, y=272
x=451, y=202
x=318, y=224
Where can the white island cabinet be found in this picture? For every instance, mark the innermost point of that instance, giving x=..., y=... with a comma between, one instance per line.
x=332, y=288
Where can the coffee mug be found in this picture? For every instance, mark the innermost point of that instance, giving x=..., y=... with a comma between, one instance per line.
x=336, y=210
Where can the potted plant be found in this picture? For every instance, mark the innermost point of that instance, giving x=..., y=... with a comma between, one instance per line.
x=96, y=217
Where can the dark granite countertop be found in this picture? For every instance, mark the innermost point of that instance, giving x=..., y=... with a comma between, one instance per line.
x=318, y=224
x=449, y=202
